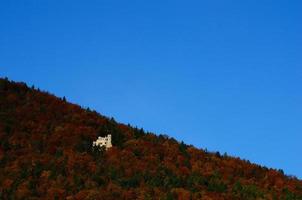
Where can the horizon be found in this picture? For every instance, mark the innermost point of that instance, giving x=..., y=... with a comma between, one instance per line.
x=222, y=76
x=133, y=126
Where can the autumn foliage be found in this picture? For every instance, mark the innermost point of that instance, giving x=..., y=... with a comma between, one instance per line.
x=46, y=153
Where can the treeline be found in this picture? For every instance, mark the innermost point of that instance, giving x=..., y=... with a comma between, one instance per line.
x=46, y=153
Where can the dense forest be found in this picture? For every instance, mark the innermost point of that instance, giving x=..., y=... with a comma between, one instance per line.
x=46, y=153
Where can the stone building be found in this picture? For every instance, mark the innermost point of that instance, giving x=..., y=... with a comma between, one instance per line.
x=103, y=141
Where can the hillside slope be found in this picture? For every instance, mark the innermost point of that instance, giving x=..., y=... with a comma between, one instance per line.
x=46, y=153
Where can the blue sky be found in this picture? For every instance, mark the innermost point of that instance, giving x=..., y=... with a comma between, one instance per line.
x=221, y=75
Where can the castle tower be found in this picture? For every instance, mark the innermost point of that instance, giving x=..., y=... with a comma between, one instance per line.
x=108, y=144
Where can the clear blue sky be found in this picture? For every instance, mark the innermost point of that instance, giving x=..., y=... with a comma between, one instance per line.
x=221, y=75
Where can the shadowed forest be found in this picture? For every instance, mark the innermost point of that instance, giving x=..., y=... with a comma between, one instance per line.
x=46, y=153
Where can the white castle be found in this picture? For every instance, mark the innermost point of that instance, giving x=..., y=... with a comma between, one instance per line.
x=103, y=141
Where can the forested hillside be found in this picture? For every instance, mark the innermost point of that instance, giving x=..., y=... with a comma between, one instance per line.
x=46, y=153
